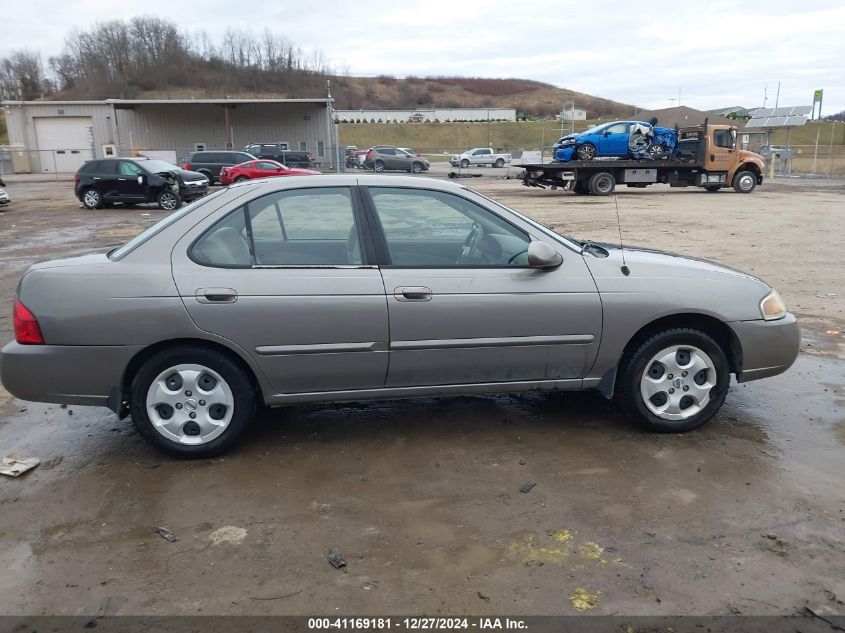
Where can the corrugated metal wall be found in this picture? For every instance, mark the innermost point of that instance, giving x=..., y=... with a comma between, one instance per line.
x=21, y=125
x=180, y=126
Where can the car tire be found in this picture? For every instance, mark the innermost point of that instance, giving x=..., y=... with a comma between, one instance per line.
x=378, y=166
x=168, y=200
x=656, y=151
x=208, y=176
x=745, y=182
x=464, y=163
x=241, y=179
x=417, y=168
x=586, y=151
x=641, y=372
x=92, y=199
x=154, y=401
x=602, y=184
x=712, y=188
x=500, y=162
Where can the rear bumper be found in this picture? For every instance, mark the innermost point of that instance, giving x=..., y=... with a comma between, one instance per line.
x=66, y=374
x=768, y=347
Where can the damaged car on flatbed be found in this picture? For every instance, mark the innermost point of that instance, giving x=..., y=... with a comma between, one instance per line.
x=131, y=181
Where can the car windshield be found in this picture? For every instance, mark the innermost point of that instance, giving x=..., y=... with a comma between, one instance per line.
x=158, y=227
x=156, y=165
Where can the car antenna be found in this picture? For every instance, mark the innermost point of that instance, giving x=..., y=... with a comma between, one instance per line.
x=625, y=270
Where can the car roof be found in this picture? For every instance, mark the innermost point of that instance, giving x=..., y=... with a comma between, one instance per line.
x=346, y=180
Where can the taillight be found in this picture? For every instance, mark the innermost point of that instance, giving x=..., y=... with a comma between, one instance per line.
x=187, y=166
x=27, y=331
x=370, y=154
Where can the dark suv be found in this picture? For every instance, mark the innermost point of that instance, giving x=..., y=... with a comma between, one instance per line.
x=279, y=153
x=137, y=180
x=209, y=164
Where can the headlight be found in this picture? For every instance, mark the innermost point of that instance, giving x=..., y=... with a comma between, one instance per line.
x=772, y=306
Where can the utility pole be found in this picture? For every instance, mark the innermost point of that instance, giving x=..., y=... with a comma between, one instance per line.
x=777, y=96
x=816, y=151
x=765, y=94
x=830, y=150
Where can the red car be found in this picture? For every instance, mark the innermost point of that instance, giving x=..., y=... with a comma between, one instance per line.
x=260, y=169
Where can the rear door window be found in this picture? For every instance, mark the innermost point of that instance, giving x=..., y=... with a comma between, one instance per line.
x=107, y=168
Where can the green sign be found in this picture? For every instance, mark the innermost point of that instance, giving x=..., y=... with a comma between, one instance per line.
x=817, y=96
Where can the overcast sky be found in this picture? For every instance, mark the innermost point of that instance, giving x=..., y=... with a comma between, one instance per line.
x=714, y=53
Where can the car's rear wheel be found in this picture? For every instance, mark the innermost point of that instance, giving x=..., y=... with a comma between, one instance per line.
x=674, y=381
x=208, y=177
x=92, y=199
x=586, y=152
x=745, y=182
x=241, y=178
x=378, y=166
x=190, y=401
x=602, y=184
x=417, y=168
x=168, y=200
x=500, y=162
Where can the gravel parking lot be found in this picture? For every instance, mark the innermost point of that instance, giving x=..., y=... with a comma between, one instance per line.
x=422, y=498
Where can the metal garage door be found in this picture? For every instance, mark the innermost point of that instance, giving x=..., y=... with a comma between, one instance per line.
x=64, y=143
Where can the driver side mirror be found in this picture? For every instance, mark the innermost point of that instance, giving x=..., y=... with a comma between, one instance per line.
x=140, y=180
x=543, y=256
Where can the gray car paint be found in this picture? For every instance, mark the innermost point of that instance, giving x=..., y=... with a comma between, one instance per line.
x=484, y=330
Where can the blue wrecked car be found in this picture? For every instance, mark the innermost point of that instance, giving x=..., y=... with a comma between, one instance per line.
x=618, y=139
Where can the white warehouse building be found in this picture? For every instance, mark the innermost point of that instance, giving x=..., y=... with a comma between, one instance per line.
x=425, y=115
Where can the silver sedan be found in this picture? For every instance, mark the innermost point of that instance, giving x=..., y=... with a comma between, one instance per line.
x=346, y=288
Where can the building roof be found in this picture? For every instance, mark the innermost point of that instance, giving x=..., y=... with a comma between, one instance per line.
x=682, y=116
x=133, y=102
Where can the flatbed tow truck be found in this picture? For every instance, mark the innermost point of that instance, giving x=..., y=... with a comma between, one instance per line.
x=707, y=156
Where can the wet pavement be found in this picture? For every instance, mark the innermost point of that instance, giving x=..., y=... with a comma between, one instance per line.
x=422, y=497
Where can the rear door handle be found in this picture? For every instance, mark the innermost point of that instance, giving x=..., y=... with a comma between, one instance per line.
x=412, y=293
x=216, y=295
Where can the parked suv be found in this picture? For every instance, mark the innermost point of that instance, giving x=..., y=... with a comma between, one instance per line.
x=209, y=164
x=383, y=157
x=137, y=180
x=279, y=153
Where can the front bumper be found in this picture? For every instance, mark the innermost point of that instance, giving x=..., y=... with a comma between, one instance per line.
x=191, y=192
x=66, y=374
x=768, y=347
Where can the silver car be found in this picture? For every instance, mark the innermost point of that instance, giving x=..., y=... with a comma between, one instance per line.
x=346, y=288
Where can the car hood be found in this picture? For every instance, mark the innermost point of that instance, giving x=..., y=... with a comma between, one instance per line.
x=184, y=175
x=676, y=283
x=665, y=263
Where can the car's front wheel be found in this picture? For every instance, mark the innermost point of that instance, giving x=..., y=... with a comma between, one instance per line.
x=241, y=179
x=190, y=401
x=586, y=152
x=674, y=381
x=92, y=199
x=417, y=168
x=464, y=163
x=168, y=200
x=378, y=166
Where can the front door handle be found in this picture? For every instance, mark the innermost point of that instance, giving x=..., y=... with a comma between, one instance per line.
x=412, y=293
x=216, y=295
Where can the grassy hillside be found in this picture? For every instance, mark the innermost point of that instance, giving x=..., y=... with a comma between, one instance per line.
x=440, y=137
x=533, y=97
x=4, y=133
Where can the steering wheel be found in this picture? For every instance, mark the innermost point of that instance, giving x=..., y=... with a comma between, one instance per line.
x=471, y=243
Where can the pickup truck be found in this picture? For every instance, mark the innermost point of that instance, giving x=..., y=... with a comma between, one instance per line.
x=479, y=156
